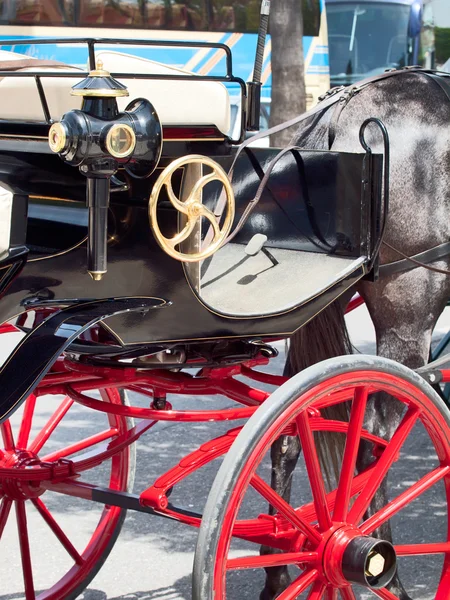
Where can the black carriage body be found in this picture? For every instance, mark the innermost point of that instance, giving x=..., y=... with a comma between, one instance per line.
x=318, y=218
x=317, y=208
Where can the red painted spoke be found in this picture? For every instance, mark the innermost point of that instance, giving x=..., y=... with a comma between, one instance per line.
x=284, y=508
x=25, y=550
x=404, y=499
x=298, y=586
x=314, y=471
x=59, y=533
x=82, y=445
x=347, y=593
x=385, y=594
x=318, y=591
x=350, y=454
x=51, y=425
x=5, y=508
x=27, y=420
x=7, y=436
x=389, y=456
x=417, y=549
x=271, y=560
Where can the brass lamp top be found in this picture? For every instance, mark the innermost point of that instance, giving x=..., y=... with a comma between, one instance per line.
x=99, y=84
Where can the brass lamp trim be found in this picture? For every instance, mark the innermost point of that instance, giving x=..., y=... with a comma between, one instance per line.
x=57, y=137
x=116, y=129
x=100, y=93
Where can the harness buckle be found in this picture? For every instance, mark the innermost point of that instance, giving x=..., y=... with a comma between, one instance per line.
x=331, y=92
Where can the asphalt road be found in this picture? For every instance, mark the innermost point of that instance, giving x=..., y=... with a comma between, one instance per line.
x=152, y=559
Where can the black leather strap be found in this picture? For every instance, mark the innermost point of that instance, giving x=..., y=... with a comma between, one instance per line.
x=407, y=264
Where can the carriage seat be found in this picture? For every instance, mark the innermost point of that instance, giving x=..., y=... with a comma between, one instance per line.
x=176, y=102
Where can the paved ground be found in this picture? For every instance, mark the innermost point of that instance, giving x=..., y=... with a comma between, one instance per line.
x=153, y=557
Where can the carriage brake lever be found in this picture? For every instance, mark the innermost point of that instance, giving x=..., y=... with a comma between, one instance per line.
x=99, y=139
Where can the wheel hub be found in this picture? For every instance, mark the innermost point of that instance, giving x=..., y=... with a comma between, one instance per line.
x=19, y=489
x=350, y=557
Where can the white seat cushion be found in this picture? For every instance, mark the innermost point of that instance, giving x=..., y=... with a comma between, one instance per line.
x=176, y=102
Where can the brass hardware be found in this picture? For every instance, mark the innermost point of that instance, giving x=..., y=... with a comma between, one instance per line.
x=99, y=71
x=99, y=84
x=120, y=140
x=97, y=275
x=192, y=208
x=375, y=564
x=100, y=93
x=57, y=137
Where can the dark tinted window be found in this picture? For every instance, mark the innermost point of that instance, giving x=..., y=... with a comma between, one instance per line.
x=39, y=12
x=191, y=15
x=110, y=13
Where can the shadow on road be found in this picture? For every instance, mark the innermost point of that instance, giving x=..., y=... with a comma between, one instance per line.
x=181, y=589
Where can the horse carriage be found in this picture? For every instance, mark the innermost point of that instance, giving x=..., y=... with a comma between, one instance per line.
x=146, y=257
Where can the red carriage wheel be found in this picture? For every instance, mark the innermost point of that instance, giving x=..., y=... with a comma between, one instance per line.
x=324, y=534
x=57, y=541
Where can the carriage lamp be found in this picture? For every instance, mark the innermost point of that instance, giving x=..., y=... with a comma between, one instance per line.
x=98, y=139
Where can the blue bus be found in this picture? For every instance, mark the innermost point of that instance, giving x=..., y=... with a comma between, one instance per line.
x=233, y=23
x=365, y=37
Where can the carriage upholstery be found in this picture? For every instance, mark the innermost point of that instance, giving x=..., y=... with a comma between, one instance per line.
x=176, y=102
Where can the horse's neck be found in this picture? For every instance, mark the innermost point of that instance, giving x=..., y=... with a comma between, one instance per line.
x=313, y=133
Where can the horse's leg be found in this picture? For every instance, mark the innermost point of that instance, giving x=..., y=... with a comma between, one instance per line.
x=324, y=337
x=284, y=454
x=404, y=312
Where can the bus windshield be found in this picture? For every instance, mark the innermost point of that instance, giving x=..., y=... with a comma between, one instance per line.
x=366, y=38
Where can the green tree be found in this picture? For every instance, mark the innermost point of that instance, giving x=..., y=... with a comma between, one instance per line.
x=442, y=40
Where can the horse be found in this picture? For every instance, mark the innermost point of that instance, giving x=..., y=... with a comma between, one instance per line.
x=403, y=306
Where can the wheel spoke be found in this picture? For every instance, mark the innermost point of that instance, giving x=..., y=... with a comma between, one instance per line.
x=184, y=233
x=331, y=594
x=271, y=560
x=82, y=445
x=314, y=471
x=298, y=586
x=350, y=453
x=384, y=594
x=180, y=206
x=5, y=509
x=27, y=421
x=7, y=436
x=24, y=543
x=401, y=501
x=51, y=425
x=200, y=184
x=389, y=456
x=347, y=593
x=205, y=212
x=318, y=591
x=59, y=533
x=418, y=549
x=284, y=508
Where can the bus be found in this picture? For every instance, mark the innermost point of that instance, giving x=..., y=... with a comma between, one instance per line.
x=233, y=23
x=366, y=37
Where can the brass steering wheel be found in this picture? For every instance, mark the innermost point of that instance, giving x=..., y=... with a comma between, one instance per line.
x=193, y=209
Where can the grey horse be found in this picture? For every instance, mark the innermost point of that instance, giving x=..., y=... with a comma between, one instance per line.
x=405, y=306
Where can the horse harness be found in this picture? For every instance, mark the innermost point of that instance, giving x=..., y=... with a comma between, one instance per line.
x=339, y=97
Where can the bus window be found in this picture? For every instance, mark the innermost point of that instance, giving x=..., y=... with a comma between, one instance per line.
x=43, y=12
x=110, y=13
